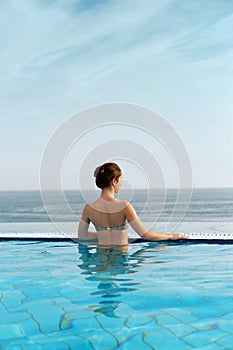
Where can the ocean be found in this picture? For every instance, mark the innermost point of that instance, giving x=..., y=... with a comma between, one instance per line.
x=206, y=205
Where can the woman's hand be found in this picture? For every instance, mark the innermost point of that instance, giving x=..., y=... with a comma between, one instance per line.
x=175, y=236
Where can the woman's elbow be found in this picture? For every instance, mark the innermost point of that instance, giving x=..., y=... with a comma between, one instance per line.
x=146, y=235
x=81, y=235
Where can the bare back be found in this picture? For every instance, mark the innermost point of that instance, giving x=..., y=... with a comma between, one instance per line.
x=109, y=216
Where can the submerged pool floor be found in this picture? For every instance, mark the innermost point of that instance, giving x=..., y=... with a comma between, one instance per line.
x=155, y=296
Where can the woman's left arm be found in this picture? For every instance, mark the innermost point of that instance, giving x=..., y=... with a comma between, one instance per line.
x=83, y=233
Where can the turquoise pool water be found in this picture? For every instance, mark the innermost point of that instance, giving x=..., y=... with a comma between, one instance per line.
x=155, y=296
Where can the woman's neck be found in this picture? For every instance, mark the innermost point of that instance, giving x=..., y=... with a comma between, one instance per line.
x=108, y=194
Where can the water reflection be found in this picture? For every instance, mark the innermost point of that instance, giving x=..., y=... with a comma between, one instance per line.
x=111, y=269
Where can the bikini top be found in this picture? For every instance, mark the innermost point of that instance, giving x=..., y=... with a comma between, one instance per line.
x=111, y=228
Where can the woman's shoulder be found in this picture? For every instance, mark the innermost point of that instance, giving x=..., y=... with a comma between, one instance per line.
x=90, y=206
x=100, y=205
x=122, y=203
x=126, y=207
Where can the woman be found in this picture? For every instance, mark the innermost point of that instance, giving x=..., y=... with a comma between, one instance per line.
x=110, y=216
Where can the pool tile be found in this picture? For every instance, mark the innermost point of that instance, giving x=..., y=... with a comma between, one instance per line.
x=77, y=342
x=2, y=308
x=148, y=301
x=46, y=314
x=54, y=345
x=207, y=311
x=71, y=293
x=106, y=341
x=12, y=298
x=191, y=299
x=100, y=338
x=182, y=314
x=206, y=324
x=29, y=327
x=226, y=325
x=16, y=344
x=61, y=301
x=134, y=341
x=161, y=338
x=89, y=338
x=13, y=317
x=126, y=336
x=8, y=331
x=112, y=323
x=68, y=317
x=213, y=346
x=203, y=338
x=210, y=309
x=166, y=319
x=36, y=298
x=181, y=329
x=228, y=315
x=139, y=320
x=85, y=325
x=39, y=293
x=225, y=342
x=27, y=345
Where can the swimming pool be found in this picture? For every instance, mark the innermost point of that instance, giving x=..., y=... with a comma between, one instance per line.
x=65, y=295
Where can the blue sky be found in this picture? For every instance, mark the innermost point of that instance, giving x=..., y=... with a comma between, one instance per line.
x=60, y=57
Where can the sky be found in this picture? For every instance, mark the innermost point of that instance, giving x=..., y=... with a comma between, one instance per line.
x=61, y=57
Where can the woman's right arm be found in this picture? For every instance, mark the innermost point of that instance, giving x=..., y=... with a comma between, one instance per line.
x=83, y=233
x=142, y=231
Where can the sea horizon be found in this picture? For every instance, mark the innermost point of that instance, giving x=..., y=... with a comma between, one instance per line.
x=136, y=188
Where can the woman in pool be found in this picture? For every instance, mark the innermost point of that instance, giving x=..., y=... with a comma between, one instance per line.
x=110, y=216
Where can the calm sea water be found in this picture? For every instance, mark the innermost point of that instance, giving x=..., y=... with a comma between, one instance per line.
x=206, y=205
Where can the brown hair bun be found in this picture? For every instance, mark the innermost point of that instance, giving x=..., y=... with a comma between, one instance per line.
x=105, y=173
